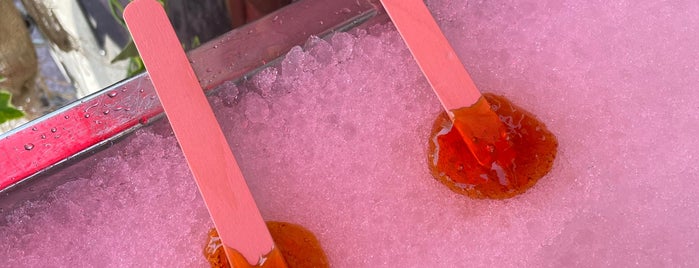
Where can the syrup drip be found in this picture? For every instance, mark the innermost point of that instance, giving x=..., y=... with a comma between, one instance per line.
x=518, y=155
x=295, y=245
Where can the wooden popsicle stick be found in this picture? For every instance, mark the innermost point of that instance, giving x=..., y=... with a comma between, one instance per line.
x=447, y=77
x=433, y=53
x=206, y=150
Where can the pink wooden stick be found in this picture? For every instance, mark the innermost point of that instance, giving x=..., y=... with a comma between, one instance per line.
x=208, y=155
x=436, y=58
x=448, y=78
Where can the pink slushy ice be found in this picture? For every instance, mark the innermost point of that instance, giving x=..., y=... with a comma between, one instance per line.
x=334, y=137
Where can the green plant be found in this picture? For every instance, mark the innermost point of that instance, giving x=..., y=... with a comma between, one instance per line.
x=130, y=52
x=7, y=111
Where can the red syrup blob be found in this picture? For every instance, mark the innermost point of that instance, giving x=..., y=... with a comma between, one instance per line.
x=518, y=158
x=297, y=246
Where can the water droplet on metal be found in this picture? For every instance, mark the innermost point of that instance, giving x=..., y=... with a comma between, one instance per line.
x=87, y=115
x=112, y=94
x=66, y=117
x=53, y=130
x=43, y=136
x=34, y=129
x=140, y=90
x=28, y=146
x=215, y=46
x=106, y=112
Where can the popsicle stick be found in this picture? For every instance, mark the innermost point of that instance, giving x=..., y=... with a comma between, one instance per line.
x=433, y=53
x=208, y=155
x=482, y=132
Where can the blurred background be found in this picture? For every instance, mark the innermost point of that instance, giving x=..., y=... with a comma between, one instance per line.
x=54, y=52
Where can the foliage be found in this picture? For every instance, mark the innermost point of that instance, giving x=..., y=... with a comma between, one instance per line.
x=130, y=52
x=7, y=111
